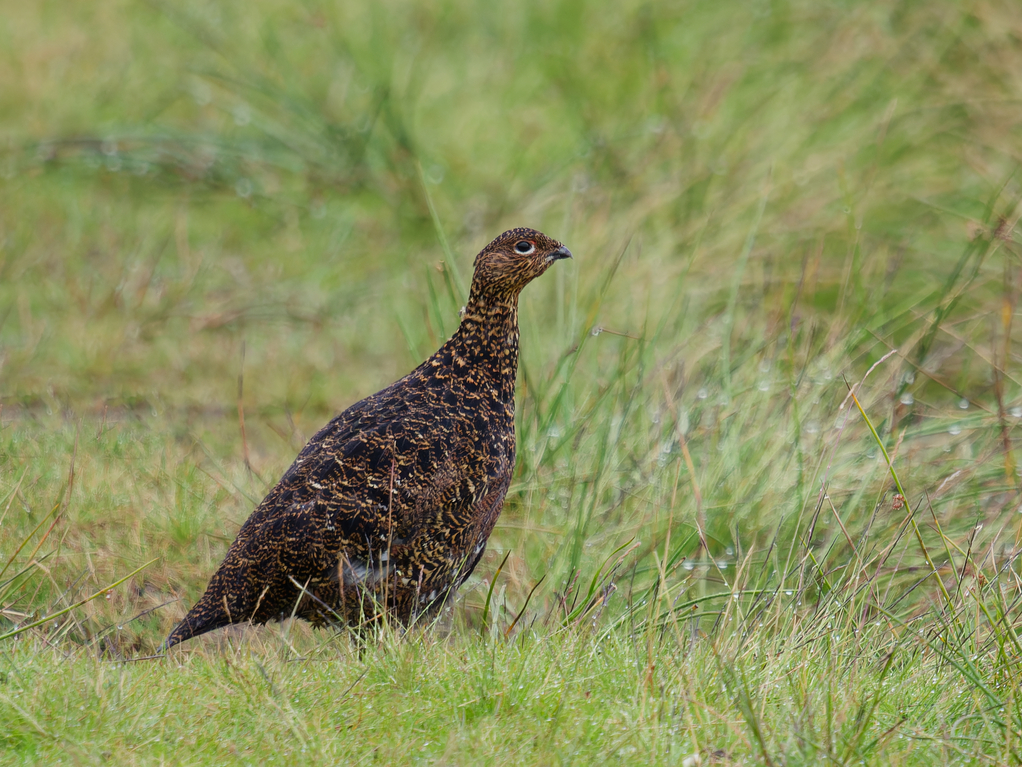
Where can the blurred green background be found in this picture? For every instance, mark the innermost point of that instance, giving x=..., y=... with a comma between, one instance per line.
x=182, y=178
x=223, y=222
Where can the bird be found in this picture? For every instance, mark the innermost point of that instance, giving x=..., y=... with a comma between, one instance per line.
x=387, y=510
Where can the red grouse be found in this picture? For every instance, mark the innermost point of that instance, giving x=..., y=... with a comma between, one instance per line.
x=389, y=506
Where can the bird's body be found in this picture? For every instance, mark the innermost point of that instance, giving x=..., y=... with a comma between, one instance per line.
x=388, y=507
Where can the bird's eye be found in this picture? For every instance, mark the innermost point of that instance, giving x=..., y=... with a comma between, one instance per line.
x=524, y=246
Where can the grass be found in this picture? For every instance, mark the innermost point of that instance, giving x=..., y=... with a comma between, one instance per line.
x=222, y=223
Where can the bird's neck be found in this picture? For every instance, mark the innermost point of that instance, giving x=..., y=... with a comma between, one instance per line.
x=487, y=340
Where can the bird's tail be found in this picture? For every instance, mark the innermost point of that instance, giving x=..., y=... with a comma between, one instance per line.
x=223, y=603
x=205, y=616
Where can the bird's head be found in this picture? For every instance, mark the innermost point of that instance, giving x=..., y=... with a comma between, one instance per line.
x=512, y=261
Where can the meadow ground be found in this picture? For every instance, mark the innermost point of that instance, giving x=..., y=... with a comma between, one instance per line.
x=222, y=222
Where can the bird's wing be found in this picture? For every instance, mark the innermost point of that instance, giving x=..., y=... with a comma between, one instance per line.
x=351, y=480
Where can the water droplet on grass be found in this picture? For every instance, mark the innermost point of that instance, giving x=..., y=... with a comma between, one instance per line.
x=201, y=94
x=435, y=174
x=656, y=124
x=700, y=128
x=907, y=398
x=963, y=404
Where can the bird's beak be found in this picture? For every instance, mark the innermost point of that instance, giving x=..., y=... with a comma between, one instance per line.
x=557, y=255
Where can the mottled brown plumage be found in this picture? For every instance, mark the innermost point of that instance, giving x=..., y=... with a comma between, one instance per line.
x=390, y=505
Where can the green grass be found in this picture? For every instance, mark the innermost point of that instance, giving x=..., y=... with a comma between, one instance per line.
x=267, y=209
